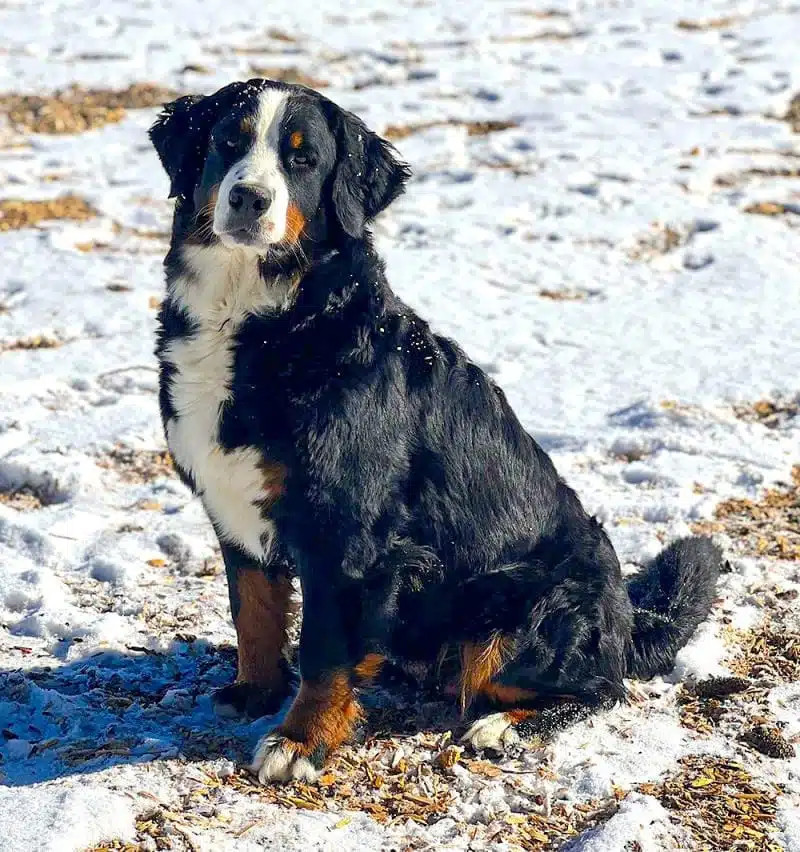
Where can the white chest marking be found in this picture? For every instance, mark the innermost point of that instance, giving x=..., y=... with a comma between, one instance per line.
x=222, y=288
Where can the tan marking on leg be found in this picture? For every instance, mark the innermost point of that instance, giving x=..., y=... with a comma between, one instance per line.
x=480, y=662
x=369, y=667
x=500, y=693
x=518, y=715
x=324, y=713
x=261, y=627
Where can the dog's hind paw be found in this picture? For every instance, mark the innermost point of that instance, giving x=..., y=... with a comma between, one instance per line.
x=495, y=732
x=278, y=758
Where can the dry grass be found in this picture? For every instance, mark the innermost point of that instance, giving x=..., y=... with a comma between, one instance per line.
x=768, y=527
x=76, y=109
x=394, y=132
x=722, y=23
x=793, y=113
x=721, y=804
x=661, y=239
x=38, y=341
x=16, y=213
x=563, y=295
x=768, y=412
x=769, y=208
x=291, y=74
x=140, y=466
x=770, y=652
x=22, y=499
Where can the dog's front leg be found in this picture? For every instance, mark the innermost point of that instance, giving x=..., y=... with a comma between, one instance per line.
x=262, y=607
x=325, y=711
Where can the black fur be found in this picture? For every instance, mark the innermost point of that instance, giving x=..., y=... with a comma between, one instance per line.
x=417, y=511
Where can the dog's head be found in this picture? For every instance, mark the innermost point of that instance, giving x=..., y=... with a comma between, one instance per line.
x=265, y=166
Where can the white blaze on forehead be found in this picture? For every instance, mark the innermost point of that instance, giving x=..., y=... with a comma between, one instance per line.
x=261, y=167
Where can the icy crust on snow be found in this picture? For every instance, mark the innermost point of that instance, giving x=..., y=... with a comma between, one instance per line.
x=595, y=259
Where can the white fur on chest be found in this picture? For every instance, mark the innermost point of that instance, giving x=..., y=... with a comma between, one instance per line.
x=222, y=288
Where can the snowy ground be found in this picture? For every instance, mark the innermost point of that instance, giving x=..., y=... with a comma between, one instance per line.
x=606, y=258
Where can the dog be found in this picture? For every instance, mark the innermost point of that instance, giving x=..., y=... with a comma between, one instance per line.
x=333, y=437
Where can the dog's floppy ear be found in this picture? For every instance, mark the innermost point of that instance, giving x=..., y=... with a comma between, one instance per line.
x=176, y=136
x=181, y=134
x=368, y=174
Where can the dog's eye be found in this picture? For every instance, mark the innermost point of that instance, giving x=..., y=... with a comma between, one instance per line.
x=231, y=143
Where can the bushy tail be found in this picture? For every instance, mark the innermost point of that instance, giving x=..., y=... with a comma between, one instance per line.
x=671, y=596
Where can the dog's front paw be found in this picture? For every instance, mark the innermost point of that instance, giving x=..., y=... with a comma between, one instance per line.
x=249, y=699
x=495, y=732
x=278, y=758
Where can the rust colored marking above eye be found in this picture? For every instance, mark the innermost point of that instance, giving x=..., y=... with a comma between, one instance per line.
x=247, y=124
x=296, y=139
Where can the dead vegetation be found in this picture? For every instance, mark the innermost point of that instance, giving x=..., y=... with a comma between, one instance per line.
x=793, y=113
x=564, y=295
x=768, y=527
x=770, y=208
x=770, y=652
x=38, y=341
x=772, y=413
x=721, y=804
x=394, y=132
x=77, y=109
x=16, y=213
x=22, y=499
x=291, y=74
x=140, y=466
x=722, y=23
x=662, y=238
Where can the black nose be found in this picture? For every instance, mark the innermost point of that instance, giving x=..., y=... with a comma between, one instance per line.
x=249, y=201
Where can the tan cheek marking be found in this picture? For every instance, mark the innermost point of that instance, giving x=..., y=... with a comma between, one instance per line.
x=296, y=139
x=480, y=663
x=274, y=479
x=295, y=222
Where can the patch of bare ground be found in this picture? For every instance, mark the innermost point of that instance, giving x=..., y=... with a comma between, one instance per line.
x=767, y=527
x=291, y=74
x=564, y=295
x=77, y=109
x=38, y=341
x=140, y=466
x=721, y=804
x=771, y=413
x=22, y=499
x=662, y=238
x=394, y=132
x=16, y=213
x=793, y=113
x=738, y=178
x=698, y=26
x=771, y=208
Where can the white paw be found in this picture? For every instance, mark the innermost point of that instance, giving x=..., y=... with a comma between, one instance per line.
x=275, y=760
x=494, y=731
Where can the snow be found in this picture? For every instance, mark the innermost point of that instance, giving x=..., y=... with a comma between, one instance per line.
x=633, y=135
